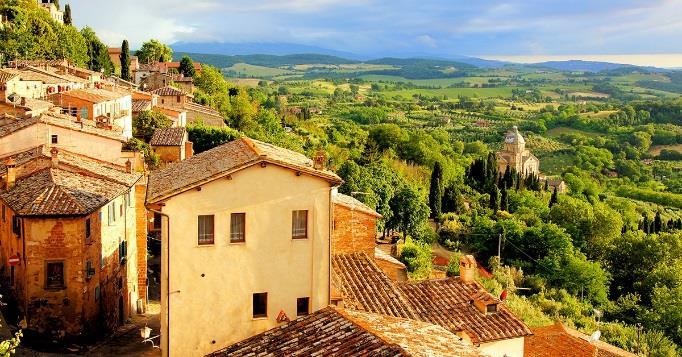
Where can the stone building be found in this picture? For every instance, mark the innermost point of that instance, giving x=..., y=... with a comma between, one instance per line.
x=196, y=113
x=110, y=107
x=171, y=144
x=515, y=155
x=69, y=247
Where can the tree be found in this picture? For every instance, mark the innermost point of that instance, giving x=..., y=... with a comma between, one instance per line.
x=410, y=211
x=187, y=67
x=554, y=199
x=453, y=200
x=504, y=199
x=206, y=137
x=154, y=51
x=125, y=61
x=97, y=53
x=658, y=223
x=436, y=191
x=147, y=122
x=494, y=203
x=67, y=15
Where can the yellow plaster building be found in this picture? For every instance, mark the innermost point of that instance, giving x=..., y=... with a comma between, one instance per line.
x=246, y=231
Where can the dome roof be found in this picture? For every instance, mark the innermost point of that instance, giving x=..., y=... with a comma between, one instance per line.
x=514, y=137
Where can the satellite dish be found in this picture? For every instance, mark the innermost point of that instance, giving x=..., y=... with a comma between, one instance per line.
x=595, y=336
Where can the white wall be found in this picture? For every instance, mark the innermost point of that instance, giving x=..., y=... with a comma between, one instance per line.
x=218, y=306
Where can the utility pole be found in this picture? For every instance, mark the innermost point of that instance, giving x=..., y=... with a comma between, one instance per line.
x=499, y=249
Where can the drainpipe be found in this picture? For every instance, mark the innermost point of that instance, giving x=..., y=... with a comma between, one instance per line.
x=167, y=278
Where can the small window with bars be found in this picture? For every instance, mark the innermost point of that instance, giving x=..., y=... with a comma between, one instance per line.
x=237, y=227
x=206, y=230
x=299, y=224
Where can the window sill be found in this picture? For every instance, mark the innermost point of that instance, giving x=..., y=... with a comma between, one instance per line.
x=259, y=318
x=242, y=242
x=205, y=245
x=56, y=289
x=302, y=238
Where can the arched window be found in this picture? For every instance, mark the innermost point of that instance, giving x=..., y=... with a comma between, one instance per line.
x=84, y=113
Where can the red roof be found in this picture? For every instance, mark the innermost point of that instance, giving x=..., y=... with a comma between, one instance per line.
x=557, y=340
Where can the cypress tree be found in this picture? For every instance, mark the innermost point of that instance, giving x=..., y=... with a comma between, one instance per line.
x=504, y=199
x=436, y=191
x=645, y=224
x=546, y=184
x=554, y=199
x=658, y=223
x=67, y=15
x=494, y=198
x=125, y=61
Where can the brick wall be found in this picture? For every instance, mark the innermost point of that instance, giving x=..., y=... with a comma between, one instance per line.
x=354, y=231
x=141, y=227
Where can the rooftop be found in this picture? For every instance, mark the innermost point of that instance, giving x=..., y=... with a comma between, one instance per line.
x=338, y=332
x=558, y=340
x=76, y=185
x=448, y=302
x=445, y=302
x=168, y=91
x=93, y=95
x=223, y=160
x=62, y=121
x=365, y=287
x=354, y=204
x=168, y=137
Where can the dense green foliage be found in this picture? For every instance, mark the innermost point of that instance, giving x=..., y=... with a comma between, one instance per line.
x=187, y=67
x=154, y=51
x=125, y=61
x=147, y=122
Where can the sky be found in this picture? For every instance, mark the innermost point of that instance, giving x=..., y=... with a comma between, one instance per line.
x=512, y=29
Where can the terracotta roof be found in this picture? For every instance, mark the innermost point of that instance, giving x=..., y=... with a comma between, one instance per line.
x=76, y=186
x=202, y=109
x=168, y=137
x=16, y=125
x=6, y=75
x=365, y=287
x=86, y=126
x=354, y=204
x=381, y=255
x=141, y=105
x=337, y=332
x=92, y=95
x=168, y=91
x=223, y=160
x=448, y=302
x=557, y=340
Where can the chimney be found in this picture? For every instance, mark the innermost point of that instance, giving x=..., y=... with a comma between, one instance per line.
x=320, y=160
x=129, y=166
x=54, y=152
x=485, y=302
x=467, y=268
x=11, y=176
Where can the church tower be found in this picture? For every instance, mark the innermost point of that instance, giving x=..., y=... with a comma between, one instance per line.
x=514, y=142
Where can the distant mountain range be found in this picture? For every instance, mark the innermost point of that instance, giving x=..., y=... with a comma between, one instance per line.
x=286, y=54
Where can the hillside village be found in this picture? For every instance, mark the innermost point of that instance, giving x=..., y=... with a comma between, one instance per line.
x=150, y=205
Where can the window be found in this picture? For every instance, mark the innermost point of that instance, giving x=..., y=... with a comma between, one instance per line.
x=157, y=221
x=97, y=293
x=3, y=214
x=55, y=139
x=491, y=308
x=302, y=306
x=122, y=251
x=16, y=225
x=89, y=270
x=54, y=277
x=260, y=305
x=111, y=210
x=177, y=98
x=237, y=227
x=84, y=113
x=206, y=229
x=120, y=209
x=299, y=225
x=88, y=230
x=131, y=197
